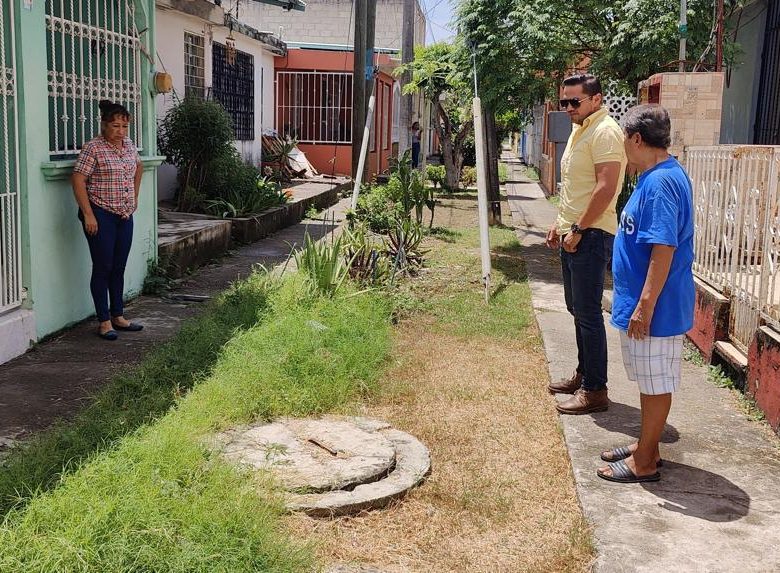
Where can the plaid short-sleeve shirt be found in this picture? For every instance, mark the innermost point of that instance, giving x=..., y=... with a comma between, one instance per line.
x=110, y=174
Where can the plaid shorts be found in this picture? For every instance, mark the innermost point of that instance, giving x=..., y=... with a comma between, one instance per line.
x=654, y=363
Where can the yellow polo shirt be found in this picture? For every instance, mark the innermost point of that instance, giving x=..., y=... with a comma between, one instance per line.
x=598, y=140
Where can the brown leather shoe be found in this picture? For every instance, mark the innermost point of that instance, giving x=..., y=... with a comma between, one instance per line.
x=566, y=385
x=584, y=402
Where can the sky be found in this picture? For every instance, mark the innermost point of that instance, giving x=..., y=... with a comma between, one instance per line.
x=439, y=15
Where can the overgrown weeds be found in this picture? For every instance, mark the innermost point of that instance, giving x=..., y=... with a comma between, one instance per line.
x=160, y=499
x=132, y=398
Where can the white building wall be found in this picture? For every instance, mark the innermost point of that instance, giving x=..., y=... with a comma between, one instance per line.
x=171, y=26
x=328, y=22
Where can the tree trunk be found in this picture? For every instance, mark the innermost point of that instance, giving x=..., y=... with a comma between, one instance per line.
x=448, y=151
x=452, y=172
x=493, y=193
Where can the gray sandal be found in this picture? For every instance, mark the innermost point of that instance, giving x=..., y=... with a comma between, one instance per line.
x=622, y=453
x=621, y=473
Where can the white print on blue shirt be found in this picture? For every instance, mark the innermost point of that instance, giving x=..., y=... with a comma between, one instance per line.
x=627, y=223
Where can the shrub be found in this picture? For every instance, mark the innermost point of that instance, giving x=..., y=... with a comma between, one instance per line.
x=436, y=174
x=378, y=208
x=192, y=134
x=252, y=196
x=469, y=176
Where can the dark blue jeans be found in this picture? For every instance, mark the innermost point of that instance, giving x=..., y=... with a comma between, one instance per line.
x=583, y=287
x=109, y=249
x=416, y=154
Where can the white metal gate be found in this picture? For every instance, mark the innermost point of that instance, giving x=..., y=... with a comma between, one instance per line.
x=10, y=236
x=736, y=191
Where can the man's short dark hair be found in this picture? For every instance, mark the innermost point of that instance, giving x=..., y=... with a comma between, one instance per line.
x=590, y=83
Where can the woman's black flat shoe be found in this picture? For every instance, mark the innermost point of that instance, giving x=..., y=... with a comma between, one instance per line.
x=108, y=335
x=132, y=327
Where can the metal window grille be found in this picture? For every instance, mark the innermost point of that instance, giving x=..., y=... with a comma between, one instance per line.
x=314, y=107
x=94, y=52
x=233, y=85
x=10, y=245
x=194, y=65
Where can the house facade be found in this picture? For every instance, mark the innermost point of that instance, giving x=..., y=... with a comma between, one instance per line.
x=751, y=96
x=212, y=54
x=314, y=79
x=59, y=60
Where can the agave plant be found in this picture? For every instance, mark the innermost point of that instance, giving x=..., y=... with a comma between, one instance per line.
x=366, y=260
x=403, y=245
x=323, y=265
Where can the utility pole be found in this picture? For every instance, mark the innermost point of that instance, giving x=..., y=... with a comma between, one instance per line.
x=719, y=39
x=358, y=81
x=407, y=56
x=683, y=29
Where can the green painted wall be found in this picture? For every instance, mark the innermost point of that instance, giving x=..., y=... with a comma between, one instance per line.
x=55, y=257
x=740, y=98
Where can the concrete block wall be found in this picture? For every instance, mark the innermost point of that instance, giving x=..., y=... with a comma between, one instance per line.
x=328, y=22
x=694, y=102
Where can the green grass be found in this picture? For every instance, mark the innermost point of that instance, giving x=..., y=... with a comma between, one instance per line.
x=459, y=303
x=132, y=398
x=161, y=500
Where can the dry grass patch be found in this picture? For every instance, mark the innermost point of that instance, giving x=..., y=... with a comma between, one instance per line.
x=470, y=382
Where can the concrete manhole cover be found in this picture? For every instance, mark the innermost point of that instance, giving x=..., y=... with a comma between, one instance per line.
x=331, y=466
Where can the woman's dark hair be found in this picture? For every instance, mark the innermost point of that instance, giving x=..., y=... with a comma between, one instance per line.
x=109, y=110
x=651, y=122
x=590, y=83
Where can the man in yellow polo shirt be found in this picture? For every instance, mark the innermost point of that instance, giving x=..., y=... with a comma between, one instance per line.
x=592, y=170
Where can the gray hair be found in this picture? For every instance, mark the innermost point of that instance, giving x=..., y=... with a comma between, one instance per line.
x=651, y=122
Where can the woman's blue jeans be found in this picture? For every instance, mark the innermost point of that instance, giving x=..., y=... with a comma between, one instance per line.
x=109, y=249
x=583, y=287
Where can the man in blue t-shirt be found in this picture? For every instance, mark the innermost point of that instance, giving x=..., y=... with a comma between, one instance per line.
x=653, y=286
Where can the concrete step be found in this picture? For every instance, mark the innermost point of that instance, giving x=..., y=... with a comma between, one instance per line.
x=187, y=241
x=731, y=354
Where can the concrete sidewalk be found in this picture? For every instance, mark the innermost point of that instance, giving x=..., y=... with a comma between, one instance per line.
x=717, y=506
x=57, y=377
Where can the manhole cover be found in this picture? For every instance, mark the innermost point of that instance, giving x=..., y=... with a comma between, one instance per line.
x=332, y=466
x=312, y=455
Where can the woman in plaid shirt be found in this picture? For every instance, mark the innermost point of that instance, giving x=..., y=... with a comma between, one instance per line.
x=106, y=181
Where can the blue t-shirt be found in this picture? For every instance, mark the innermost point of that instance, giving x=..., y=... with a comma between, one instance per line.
x=659, y=212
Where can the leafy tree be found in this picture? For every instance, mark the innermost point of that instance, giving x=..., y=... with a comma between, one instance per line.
x=440, y=71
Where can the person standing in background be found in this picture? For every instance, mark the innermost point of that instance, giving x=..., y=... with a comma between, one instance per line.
x=415, y=144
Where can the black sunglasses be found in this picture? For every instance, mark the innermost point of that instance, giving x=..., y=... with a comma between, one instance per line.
x=573, y=102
